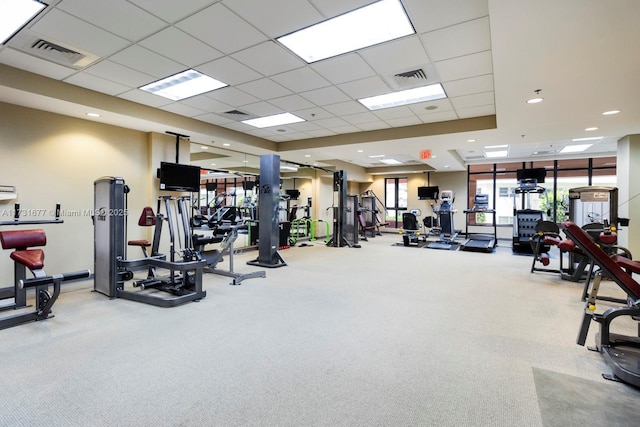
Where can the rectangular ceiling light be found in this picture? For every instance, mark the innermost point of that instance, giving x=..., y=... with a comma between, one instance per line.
x=15, y=14
x=390, y=161
x=275, y=120
x=183, y=85
x=404, y=97
x=577, y=148
x=496, y=154
x=591, y=138
x=367, y=26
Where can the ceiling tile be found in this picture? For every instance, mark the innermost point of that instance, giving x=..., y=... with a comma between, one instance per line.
x=343, y=108
x=394, y=113
x=343, y=68
x=428, y=15
x=365, y=87
x=291, y=103
x=357, y=119
x=172, y=11
x=325, y=96
x=181, y=47
x=96, y=83
x=458, y=40
x=60, y=27
x=182, y=109
x=147, y=62
x=427, y=107
x=229, y=71
x=214, y=119
x=219, y=27
x=268, y=58
x=373, y=125
x=331, y=8
x=396, y=56
x=482, y=110
x=206, y=103
x=232, y=96
x=264, y=89
x=404, y=121
x=468, y=86
x=145, y=98
x=464, y=67
x=475, y=100
x=261, y=109
x=315, y=113
x=438, y=117
x=116, y=16
x=301, y=80
x=119, y=74
x=276, y=17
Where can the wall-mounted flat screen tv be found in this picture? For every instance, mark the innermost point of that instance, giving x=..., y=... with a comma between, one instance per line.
x=293, y=194
x=428, y=193
x=177, y=177
x=529, y=174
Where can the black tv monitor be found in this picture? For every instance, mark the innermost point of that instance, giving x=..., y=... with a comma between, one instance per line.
x=529, y=174
x=428, y=193
x=293, y=194
x=177, y=177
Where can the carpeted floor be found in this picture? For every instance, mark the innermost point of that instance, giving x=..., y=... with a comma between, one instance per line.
x=375, y=336
x=567, y=401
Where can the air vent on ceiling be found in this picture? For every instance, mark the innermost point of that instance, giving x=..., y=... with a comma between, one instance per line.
x=236, y=113
x=474, y=157
x=417, y=76
x=411, y=75
x=52, y=51
x=543, y=153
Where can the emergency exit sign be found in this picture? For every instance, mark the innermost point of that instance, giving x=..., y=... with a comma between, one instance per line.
x=425, y=154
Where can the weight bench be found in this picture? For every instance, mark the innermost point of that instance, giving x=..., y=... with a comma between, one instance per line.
x=621, y=353
x=24, y=258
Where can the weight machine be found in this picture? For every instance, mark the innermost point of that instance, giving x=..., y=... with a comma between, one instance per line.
x=113, y=269
x=27, y=255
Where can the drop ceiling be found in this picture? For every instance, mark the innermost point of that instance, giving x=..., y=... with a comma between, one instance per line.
x=489, y=55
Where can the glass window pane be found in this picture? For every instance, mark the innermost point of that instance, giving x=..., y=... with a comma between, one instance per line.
x=403, y=186
x=390, y=193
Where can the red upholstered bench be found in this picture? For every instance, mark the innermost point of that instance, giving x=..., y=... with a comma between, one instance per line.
x=21, y=241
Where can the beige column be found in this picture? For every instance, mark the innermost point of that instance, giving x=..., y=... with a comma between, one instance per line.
x=628, y=174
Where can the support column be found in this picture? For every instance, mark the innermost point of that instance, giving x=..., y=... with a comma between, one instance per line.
x=628, y=174
x=268, y=204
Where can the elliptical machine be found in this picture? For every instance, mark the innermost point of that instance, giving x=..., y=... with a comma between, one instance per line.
x=445, y=213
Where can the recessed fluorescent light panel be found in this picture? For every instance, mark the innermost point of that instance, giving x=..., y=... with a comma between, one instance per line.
x=276, y=120
x=183, y=85
x=370, y=25
x=591, y=138
x=390, y=161
x=496, y=154
x=578, y=148
x=404, y=97
x=15, y=14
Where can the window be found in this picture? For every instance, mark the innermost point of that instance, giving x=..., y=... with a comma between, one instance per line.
x=561, y=176
x=395, y=200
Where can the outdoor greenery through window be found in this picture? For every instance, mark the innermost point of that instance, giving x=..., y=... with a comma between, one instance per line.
x=500, y=183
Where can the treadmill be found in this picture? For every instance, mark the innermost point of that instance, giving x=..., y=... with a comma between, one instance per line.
x=480, y=242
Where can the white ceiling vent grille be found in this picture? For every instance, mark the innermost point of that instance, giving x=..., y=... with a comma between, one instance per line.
x=238, y=115
x=52, y=51
x=411, y=76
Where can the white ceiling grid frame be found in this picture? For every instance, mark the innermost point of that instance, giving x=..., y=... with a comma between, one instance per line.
x=182, y=47
x=148, y=62
x=116, y=16
x=60, y=27
x=222, y=29
x=276, y=18
x=269, y=58
x=172, y=11
x=229, y=70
